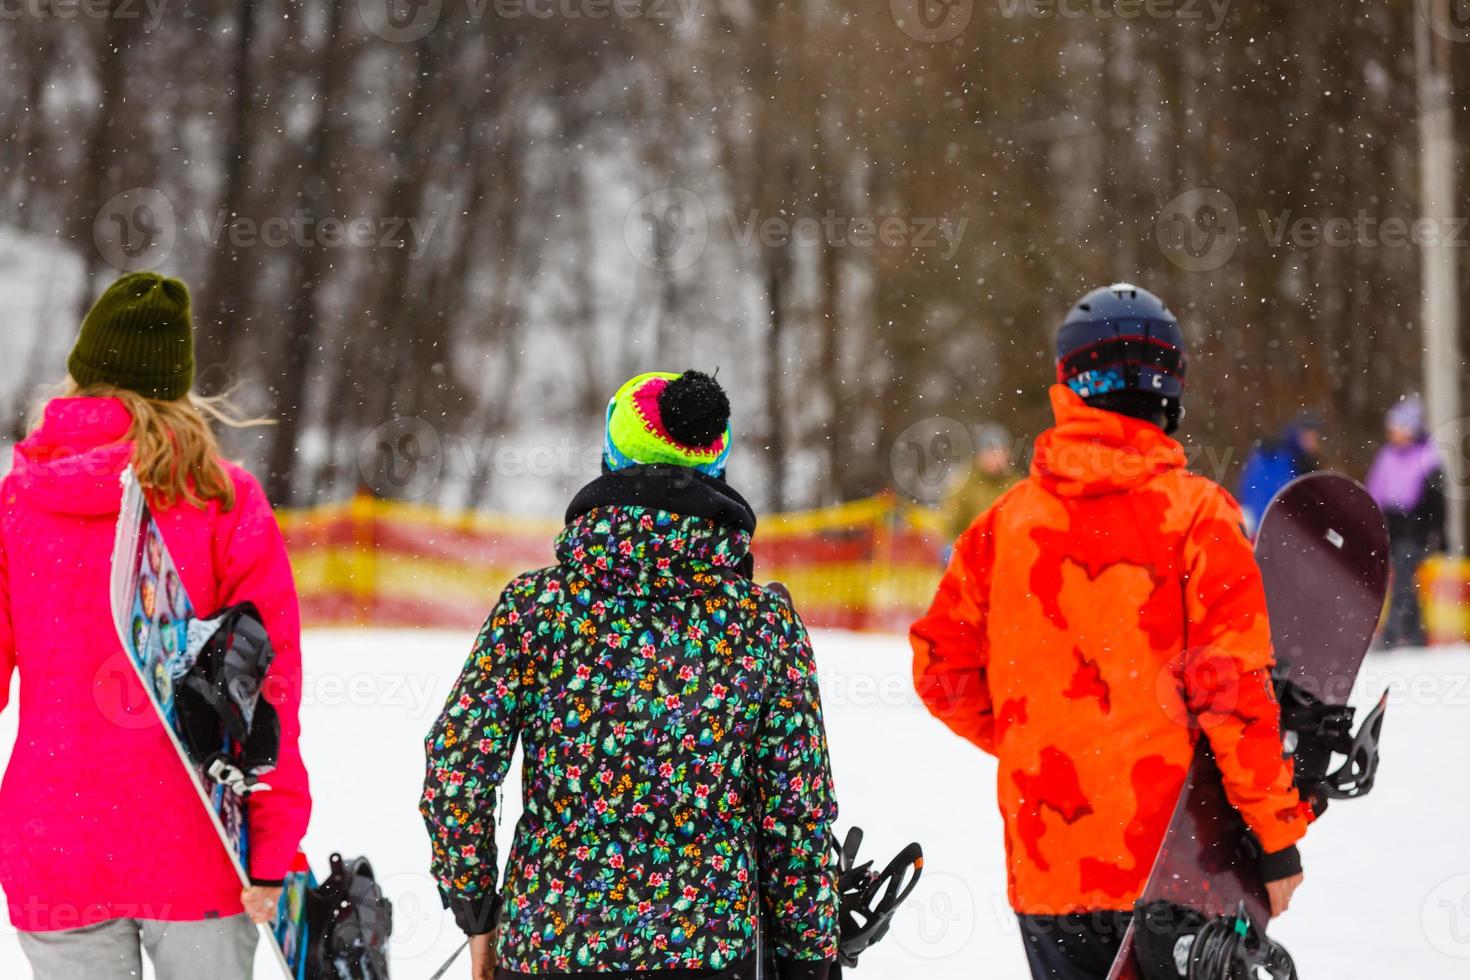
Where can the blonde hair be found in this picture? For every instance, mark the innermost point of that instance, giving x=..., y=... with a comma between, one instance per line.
x=176, y=453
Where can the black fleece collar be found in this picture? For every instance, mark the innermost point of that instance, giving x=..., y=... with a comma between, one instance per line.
x=676, y=489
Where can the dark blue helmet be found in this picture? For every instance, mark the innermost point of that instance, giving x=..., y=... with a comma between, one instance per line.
x=1121, y=339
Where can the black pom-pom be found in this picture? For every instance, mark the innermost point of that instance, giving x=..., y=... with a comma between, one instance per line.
x=694, y=409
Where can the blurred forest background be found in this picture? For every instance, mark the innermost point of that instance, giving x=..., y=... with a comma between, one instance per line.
x=559, y=199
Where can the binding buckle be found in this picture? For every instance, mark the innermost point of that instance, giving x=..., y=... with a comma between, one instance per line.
x=224, y=772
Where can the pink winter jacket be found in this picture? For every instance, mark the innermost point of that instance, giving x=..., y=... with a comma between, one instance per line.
x=97, y=816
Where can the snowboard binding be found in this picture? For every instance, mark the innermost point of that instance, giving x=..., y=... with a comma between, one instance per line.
x=349, y=923
x=1175, y=942
x=1314, y=731
x=228, y=729
x=869, y=899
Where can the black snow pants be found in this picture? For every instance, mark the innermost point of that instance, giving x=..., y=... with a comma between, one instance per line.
x=1080, y=946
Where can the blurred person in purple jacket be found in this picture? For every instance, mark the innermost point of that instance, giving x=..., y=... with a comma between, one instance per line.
x=1407, y=480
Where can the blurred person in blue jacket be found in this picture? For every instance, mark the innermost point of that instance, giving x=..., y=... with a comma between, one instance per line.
x=1273, y=463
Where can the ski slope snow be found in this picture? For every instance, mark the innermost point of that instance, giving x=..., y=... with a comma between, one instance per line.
x=1388, y=877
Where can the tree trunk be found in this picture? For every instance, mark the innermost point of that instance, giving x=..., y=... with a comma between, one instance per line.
x=224, y=292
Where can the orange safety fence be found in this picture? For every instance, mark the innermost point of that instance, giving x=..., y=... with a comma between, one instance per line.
x=868, y=565
x=1444, y=587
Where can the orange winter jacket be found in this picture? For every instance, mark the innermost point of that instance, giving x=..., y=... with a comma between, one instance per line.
x=1092, y=624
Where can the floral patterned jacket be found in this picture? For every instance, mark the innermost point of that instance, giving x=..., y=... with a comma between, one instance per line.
x=675, y=767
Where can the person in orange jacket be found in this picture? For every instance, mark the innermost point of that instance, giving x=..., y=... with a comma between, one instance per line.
x=1093, y=624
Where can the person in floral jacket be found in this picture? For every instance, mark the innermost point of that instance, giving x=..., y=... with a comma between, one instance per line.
x=678, y=795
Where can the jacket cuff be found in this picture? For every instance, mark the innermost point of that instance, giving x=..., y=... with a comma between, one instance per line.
x=267, y=882
x=270, y=867
x=475, y=916
x=1281, y=864
x=803, y=969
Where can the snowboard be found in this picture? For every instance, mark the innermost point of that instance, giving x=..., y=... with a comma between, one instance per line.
x=1322, y=549
x=154, y=617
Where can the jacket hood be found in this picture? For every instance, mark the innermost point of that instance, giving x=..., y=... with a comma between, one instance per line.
x=1091, y=451
x=72, y=464
x=648, y=553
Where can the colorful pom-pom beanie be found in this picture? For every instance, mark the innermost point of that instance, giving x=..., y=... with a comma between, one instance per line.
x=677, y=419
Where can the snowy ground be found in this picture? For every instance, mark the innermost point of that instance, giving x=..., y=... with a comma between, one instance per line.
x=1388, y=878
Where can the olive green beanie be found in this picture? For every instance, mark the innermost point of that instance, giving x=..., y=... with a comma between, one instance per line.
x=138, y=337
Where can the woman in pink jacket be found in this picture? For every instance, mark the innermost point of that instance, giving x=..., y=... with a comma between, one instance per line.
x=105, y=850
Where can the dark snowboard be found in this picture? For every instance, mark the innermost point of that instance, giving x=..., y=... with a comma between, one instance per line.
x=1323, y=554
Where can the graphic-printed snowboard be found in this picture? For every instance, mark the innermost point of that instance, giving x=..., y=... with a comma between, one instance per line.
x=1323, y=554
x=153, y=614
